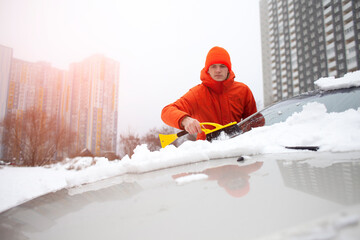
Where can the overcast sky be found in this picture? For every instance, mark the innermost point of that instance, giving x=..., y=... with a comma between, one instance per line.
x=161, y=44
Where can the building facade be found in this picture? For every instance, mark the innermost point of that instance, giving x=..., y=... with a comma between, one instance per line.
x=5, y=65
x=304, y=40
x=35, y=85
x=94, y=84
x=83, y=99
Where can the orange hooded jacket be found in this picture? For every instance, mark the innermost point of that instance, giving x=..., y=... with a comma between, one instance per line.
x=212, y=101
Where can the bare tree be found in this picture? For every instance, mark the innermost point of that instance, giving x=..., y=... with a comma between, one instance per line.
x=32, y=138
x=128, y=143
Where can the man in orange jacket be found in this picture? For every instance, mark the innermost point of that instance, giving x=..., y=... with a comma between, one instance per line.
x=218, y=99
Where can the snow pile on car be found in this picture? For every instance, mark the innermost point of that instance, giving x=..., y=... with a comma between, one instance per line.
x=351, y=79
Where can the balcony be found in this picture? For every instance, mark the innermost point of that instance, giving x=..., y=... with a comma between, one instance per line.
x=332, y=64
x=328, y=20
x=285, y=93
x=282, y=51
x=348, y=25
x=330, y=46
x=329, y=38
x=350, y=45
x=349, y=32
x=329, y=29
x=326, y=2
x=292, y=37
x=292, y=29
x=332, y=73
x=348, y=17
x=352, y=66
x=347, y=7
x=283, y=66
x=327, y=11
x=331, y=53
x=274, y=92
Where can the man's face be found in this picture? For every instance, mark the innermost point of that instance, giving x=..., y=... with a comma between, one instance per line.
x=218, y=72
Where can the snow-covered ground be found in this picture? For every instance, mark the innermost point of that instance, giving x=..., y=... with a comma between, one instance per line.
x=337, y=132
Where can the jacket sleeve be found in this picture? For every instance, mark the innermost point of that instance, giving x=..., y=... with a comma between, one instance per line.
x=174, y=113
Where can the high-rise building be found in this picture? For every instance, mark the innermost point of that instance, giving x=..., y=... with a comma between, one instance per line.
x=35, y=85
x=84, y=99
x=303, y=40
x=5, y=65
x=94, y=83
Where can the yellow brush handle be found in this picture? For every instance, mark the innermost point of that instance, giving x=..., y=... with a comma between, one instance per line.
x=215, y=125
x=167, y=139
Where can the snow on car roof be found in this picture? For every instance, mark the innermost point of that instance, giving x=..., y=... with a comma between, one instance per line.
x=351, y=79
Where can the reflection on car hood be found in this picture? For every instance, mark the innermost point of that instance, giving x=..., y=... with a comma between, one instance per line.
x=302, y=194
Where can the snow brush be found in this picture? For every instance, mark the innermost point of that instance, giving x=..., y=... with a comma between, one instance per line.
x=231, y=130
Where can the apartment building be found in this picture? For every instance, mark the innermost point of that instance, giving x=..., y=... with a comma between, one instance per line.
x=84, y=99
x=34, y=85
x=304, y=40
x=94, y=84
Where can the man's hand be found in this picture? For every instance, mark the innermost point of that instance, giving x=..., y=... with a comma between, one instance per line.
x=191, y=125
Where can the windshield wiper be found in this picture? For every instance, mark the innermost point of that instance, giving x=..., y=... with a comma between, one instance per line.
x=310, y=148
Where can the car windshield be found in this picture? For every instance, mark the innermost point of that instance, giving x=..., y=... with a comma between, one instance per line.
x=335, y=101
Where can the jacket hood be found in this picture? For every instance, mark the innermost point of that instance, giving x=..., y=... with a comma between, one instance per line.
x=217, y=55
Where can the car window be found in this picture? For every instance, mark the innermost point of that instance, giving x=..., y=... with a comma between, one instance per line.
x=335, y=101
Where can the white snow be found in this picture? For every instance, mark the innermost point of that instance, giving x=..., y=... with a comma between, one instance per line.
x=351, y=79
x=334, y=132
